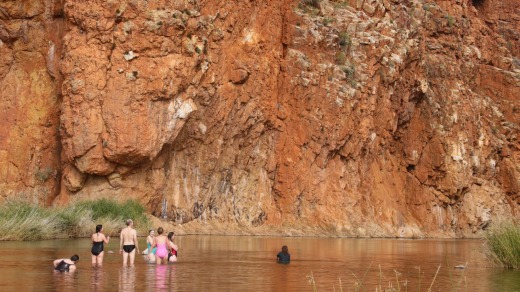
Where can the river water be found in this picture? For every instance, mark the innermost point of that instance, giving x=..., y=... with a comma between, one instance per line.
x=248, y=263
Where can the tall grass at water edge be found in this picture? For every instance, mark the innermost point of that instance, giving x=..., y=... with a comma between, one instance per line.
x=394, y=283
x=24, y=221
x=503, y=244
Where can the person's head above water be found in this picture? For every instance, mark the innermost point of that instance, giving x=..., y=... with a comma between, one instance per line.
x=151, y=232
x=170, y=235
x=129, y=222
x=160, y=230
x=74, y=258
x=285, y=249
x=99, y=228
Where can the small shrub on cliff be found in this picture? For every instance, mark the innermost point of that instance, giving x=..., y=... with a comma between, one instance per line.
x=341, y=58
x=44, y=174
x=313, y=3
x=451, y=20
x=503, y=242
x=344, y=39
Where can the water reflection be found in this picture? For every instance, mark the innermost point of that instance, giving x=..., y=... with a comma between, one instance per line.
x=64, y=281
x=127, y=278
x=226, y=263
x=96, y=279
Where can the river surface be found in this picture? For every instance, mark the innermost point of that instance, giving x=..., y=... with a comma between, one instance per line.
x=248, y=263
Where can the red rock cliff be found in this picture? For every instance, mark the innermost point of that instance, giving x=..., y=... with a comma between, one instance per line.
x=358, y=118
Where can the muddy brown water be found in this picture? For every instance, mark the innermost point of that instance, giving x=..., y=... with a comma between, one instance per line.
x=247, y=263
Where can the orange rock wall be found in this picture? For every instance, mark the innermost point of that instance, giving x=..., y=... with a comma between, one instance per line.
x=357, y=118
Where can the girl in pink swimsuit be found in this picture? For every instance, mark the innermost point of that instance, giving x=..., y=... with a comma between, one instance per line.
x=160, y=242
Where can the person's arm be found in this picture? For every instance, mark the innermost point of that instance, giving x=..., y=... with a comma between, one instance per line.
x=106, y=239
x=136, y=244
x=172, y=245
x=56, y=262
x=121, y=242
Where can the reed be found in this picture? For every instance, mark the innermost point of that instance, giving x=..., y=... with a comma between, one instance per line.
x=23, y=221
x=503, y=243
x=392, y=285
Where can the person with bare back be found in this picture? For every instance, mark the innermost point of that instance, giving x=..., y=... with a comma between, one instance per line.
x=128, y=242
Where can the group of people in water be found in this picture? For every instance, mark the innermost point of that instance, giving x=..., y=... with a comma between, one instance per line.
x=160, y=249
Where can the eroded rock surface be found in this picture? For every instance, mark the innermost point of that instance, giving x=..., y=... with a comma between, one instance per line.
x=357, y=118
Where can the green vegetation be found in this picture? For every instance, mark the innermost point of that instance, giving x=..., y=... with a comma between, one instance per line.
x=310, y=7
x=340, y=4
x=503, y=243
x=24, y=221
x=328, y=20
x=391, y=284
x=451, y=20
x=313, y=3
x=44, y=174
x=349, y=70
x=344, y=39
x=341, y=58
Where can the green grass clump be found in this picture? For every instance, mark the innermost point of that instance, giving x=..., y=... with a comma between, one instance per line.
x=105, y=208
x=503, y=242
x=24, y=221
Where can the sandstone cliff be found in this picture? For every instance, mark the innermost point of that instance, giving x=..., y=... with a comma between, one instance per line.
x=357, y=118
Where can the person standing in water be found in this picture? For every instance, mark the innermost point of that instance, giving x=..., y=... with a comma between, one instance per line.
x=98, y=239
x=66, y=265
x=161, y=242
x=128, y=242
x=172, y=254
x=283, y=257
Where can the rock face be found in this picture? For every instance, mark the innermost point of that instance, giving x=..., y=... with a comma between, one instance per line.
x=357, y=118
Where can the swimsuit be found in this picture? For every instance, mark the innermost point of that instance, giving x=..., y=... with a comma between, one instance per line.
x=128, y=248
x=283, y=258
x=63, y=266
x=172, y=252
x=161, y=252
x=153, y=250
x=97, y=247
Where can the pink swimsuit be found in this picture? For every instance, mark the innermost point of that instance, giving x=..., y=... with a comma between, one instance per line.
x=161, y=252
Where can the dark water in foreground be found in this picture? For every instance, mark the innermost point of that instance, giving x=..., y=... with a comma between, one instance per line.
x=231, y=263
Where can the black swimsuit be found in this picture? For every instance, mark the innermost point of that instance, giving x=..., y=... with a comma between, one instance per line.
x=128, y=248
x=97, y=247
x=63, y=266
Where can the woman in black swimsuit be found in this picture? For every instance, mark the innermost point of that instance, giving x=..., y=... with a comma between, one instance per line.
x=66, y=265
x=98, y=239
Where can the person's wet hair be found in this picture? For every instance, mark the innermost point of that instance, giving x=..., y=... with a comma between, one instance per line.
x=98, y=228
x=74, y=258
x=160, y=230
x=170, y=235
x=285, y=250
x=128, y=222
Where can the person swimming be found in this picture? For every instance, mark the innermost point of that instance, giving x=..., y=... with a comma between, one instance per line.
x=98, y=239
x=160, y=242
x=66, y=265
x=283, y=257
